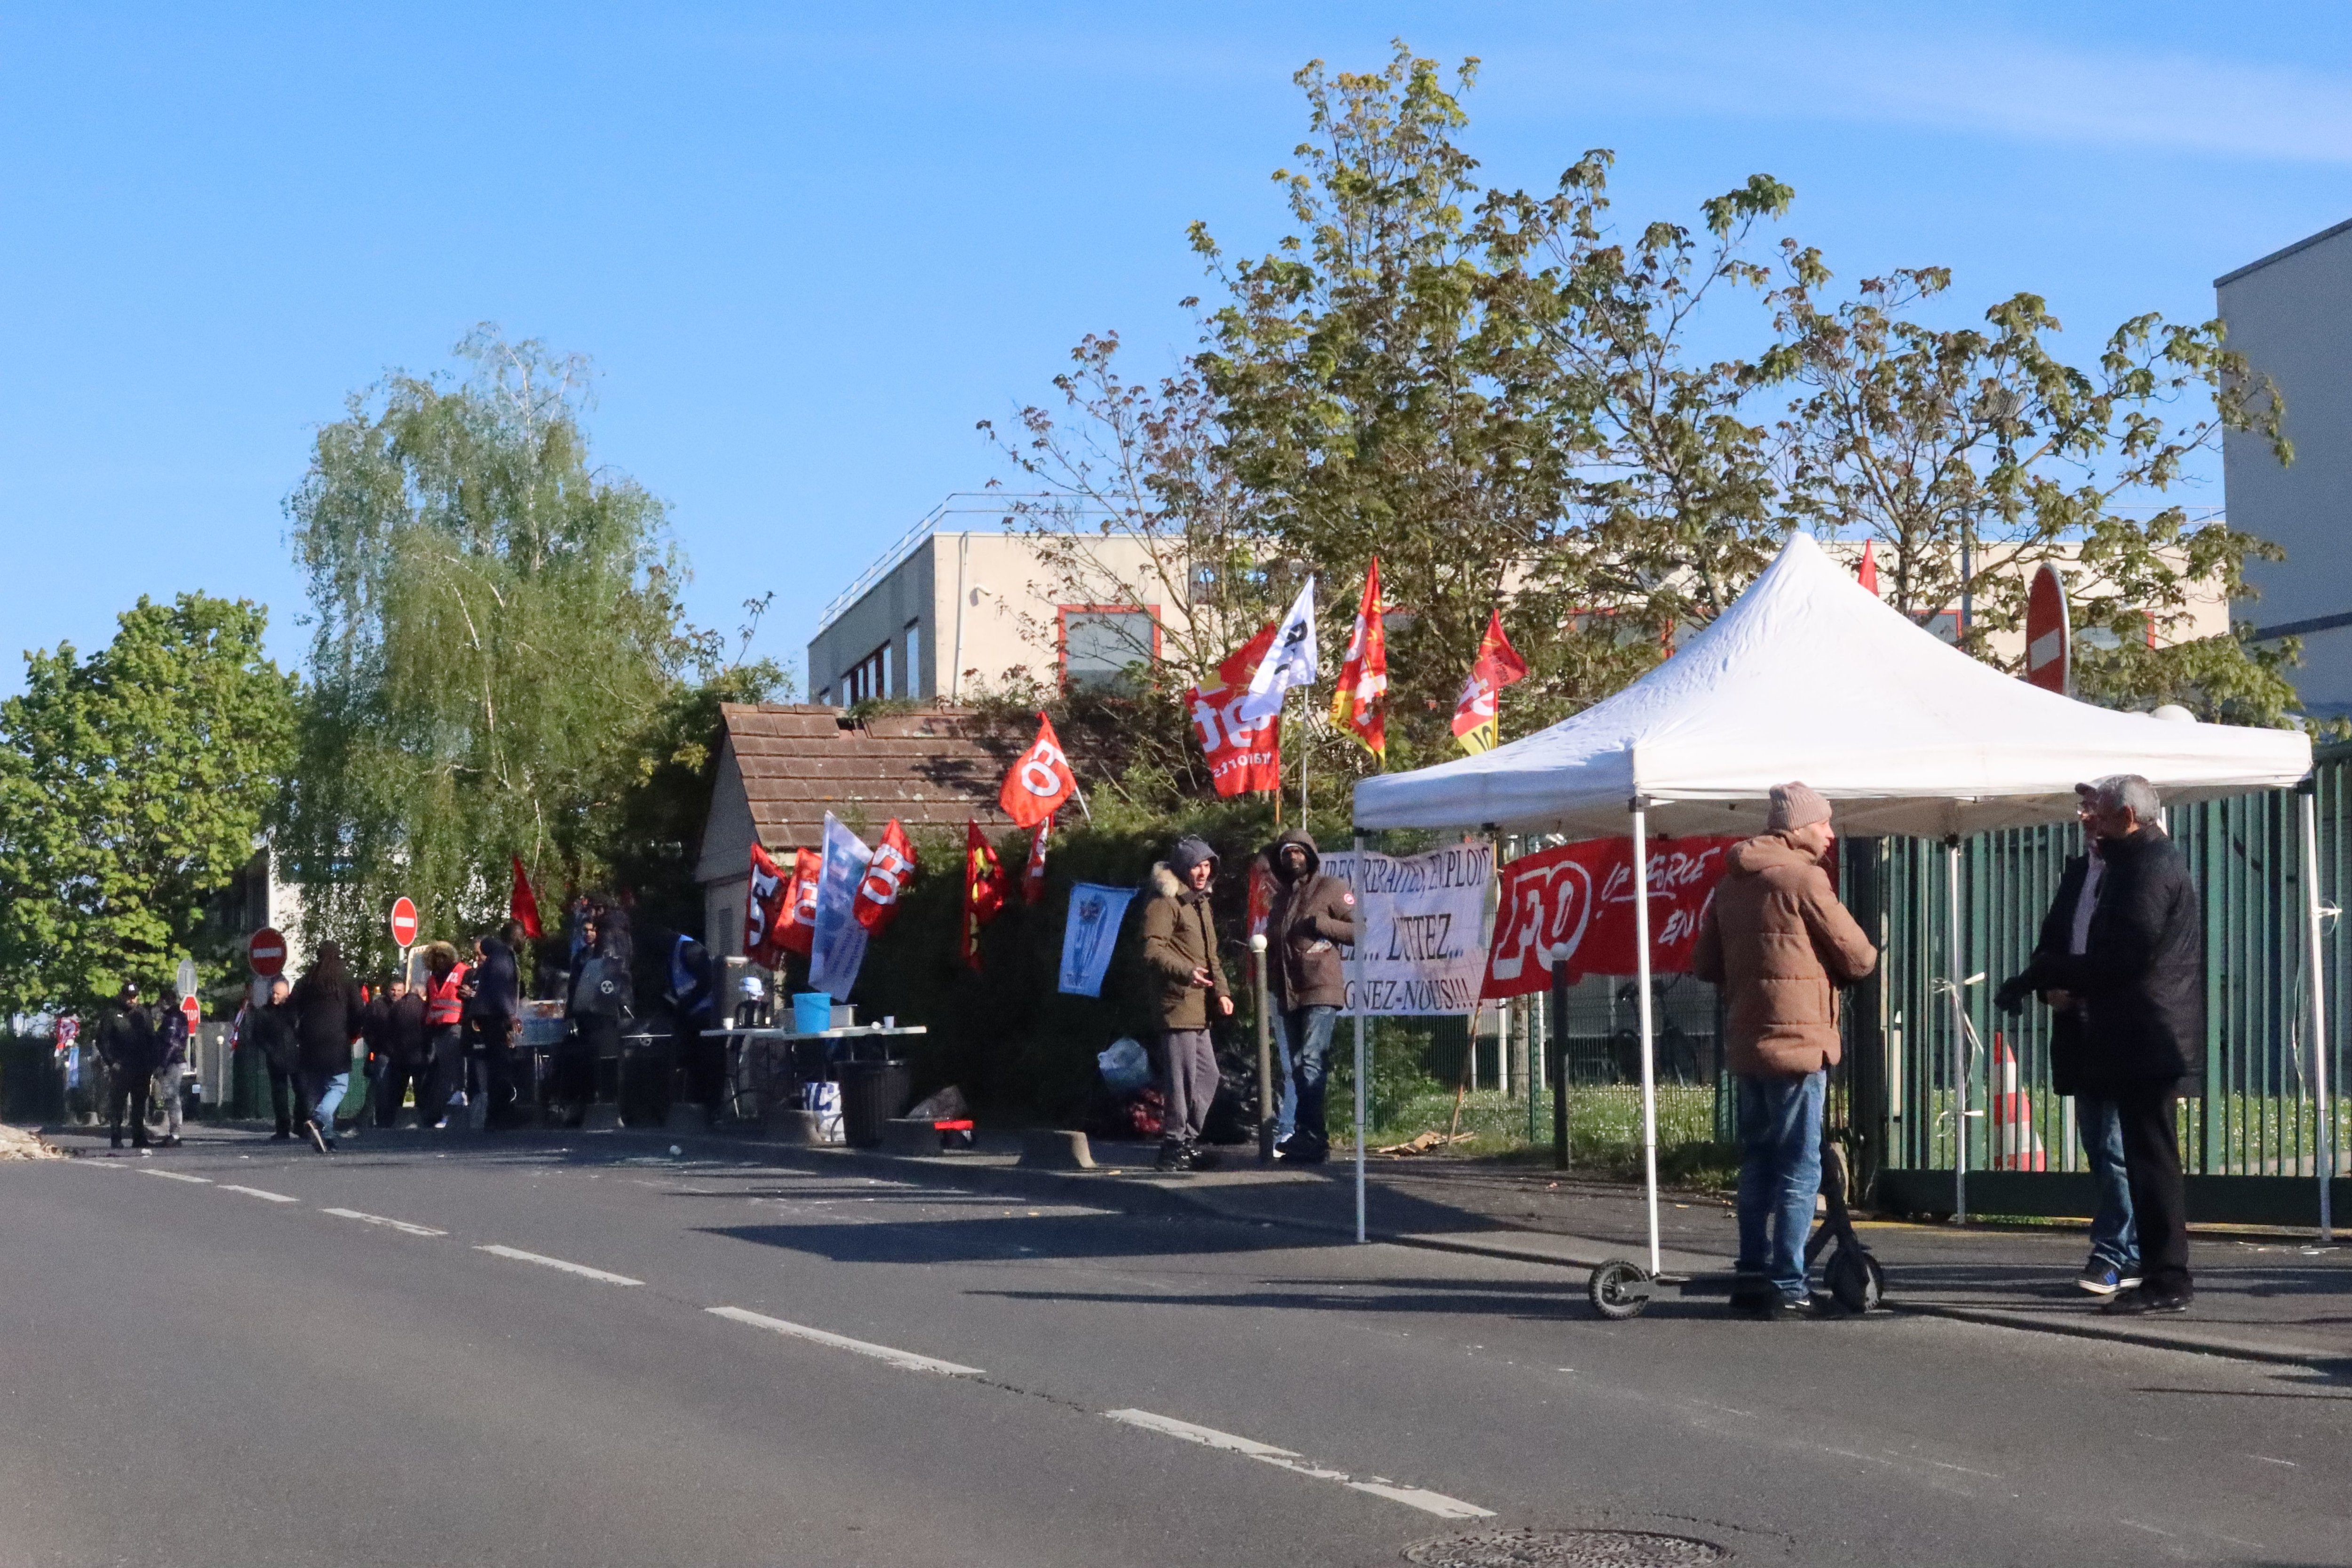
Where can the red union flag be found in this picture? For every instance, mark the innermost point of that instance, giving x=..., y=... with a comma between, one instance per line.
x=1357, y=707
x=1245, y=755
x=764, y=912
x=1040, y=782
x=796, y=921
x=1574, y=906
x=983, y=889
x=1033, y=872
x=1476, y=727
x=886, y=875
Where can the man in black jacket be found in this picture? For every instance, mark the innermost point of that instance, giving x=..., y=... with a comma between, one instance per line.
x=493, y=1014
x=1313, y=914
x=2140, y=986
x=2113, y=1263
x=397, y=1036
x=127, y=1043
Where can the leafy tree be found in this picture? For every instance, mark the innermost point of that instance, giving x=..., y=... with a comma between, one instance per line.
x=133, y=786
x=1973, y=455
x=497, y=627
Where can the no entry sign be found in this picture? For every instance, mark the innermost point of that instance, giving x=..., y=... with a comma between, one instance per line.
x=2049, y=650
x=404, y=923
x=266, y=951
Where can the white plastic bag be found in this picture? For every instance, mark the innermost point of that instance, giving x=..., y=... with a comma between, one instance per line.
x=1125, y=1065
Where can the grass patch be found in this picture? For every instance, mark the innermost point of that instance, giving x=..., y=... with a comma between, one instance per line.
x=1604, y=1128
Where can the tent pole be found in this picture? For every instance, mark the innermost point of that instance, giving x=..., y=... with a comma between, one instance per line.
x=2325, y=1149
x=1641, y=976
x=1960, y=1032
x=1358, y=1010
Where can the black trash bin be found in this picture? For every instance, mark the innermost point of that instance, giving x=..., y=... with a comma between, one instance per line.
x=871, y=1094
x=644, y=1080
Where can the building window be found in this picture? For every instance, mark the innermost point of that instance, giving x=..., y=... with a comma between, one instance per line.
x=868, y=679
x=1100, y=642
x=913, y=683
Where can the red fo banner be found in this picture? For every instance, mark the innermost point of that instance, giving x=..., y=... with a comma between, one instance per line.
x=1245, y=755
x=1040, y=782
x=983, y=889
x=1033, y=872
x=796, y=925
x=886, y=875
x=764, y=912
x=1574, y=906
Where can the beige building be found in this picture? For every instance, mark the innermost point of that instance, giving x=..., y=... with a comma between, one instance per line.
x=944, y=611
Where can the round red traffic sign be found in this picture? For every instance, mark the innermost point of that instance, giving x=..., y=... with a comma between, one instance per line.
x=266, y=951
x=2049, y=639
x=404, y=923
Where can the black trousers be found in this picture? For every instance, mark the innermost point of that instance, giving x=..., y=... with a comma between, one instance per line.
x=492, y=1035
x=2151, y=1128
x=703, y=1060
x=574, y=1087
x=128, y=1085
x=282, y=1092
x=393, y=1079
x=442, y=1073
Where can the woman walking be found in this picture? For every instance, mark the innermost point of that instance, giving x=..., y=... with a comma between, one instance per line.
x=327, y=1014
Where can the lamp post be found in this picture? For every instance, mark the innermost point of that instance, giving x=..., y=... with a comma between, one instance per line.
x=1269, y=1095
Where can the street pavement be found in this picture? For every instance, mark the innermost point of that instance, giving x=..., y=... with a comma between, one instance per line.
x=582, y=1351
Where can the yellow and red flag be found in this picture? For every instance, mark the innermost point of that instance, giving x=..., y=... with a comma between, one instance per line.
x=1476, y=727
x=1358, y=707
x=983, y=889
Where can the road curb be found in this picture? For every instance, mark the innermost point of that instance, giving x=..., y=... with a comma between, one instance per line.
x=2231, y=1347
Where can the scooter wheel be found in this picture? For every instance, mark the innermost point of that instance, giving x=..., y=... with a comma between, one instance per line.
x=1614, y=1290
x=1854, y=1278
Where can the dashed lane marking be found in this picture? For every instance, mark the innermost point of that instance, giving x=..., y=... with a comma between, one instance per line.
x=402, y=1226
x=260, y=1192
x=176, y=1175
x=1428, y=1502
x=519, y=1255
x=905, y=1360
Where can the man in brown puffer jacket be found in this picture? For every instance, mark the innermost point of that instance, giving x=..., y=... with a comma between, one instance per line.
x=1312, y=915
x=1778, y=943
x=1180, y=949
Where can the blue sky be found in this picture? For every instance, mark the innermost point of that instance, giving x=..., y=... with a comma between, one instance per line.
x=808, y=247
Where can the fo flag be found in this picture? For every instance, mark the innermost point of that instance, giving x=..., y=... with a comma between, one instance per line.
x=1245, y=755
x=764, y=912
x=983, y=889
x=1573, y=906
x=1290, y=662
x=1357, y=706
x=1040, y=782
x=522, y=904
x=886, y=875
x=797, y=926
x=1032, y=873
x=1476, y=727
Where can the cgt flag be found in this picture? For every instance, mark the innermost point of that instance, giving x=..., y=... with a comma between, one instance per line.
x=1477, y=726
x=1040, y=782
x=522, y=904
x=886, y=875
x=1244, y=756
x=1033, y=872
x=1359, y=705
x=764, y=911
x=983, y=889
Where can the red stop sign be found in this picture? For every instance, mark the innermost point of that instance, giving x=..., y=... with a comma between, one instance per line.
x=266, y=951
x=404, y=923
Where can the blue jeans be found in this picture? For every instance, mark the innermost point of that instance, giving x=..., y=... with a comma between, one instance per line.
x=326, y=1093
x=1304, y=1076
x=1779, y=1177
x=2114, y=1235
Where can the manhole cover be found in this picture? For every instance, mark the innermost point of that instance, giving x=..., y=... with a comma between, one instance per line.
x=1564, y=1548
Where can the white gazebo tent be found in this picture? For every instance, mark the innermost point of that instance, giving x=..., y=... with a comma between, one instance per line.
x=1808, y=676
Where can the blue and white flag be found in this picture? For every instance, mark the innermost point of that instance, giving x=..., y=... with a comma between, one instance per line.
x=837, y=944
x=1289, y=662
x=1092, y=932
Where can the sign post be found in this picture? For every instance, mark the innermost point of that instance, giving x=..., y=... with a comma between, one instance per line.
x=2049, y=637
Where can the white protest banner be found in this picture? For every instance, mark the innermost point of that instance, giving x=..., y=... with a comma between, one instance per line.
x=1425, y=949
x=1093, y=931
x=838, y=947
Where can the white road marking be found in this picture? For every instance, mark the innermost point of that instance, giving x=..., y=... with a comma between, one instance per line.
x=401, y=1226
x=519, y=1255
x=259, y=1193
x=176, y=1175
x=905, y=1360
x=1436, y=1503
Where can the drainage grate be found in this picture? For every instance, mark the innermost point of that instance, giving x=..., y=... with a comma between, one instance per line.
x=1564, y=1548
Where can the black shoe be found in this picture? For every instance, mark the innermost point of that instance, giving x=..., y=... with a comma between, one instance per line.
x=2140, y=1302
x=281, y=1136
x=1206, y=1158
x=318, y=1139
x=172, y=1141
x=1175, y=1157
x=114, y=1143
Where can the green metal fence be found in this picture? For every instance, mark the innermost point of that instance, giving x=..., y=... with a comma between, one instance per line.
x=2258, y=1120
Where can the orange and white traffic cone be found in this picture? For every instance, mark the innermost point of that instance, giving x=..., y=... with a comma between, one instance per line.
x=2016, y=1146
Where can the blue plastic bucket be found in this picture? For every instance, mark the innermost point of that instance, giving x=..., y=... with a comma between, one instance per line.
x=812, y=1011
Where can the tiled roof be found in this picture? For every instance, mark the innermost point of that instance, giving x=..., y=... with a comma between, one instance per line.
x=929, y=769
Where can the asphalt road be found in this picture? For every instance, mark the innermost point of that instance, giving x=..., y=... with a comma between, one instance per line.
x=588, y=1354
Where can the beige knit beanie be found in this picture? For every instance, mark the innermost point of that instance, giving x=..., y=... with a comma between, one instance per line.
x=1795, y=805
